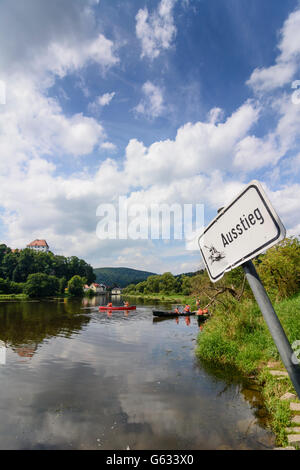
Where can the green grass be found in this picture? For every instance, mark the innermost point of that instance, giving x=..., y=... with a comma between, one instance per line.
x=239, y=337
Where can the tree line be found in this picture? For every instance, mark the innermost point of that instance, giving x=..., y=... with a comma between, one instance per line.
x=278, y=268
x=40, y=274
x=165, y=283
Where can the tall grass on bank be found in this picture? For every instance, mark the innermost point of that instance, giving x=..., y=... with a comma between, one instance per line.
x=238, y=336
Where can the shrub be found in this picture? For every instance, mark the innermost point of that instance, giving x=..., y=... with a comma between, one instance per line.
x=41, y=285
x=75, y=286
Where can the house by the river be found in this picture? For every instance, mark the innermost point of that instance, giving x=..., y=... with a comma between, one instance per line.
x=116, y=291
x=97, y=288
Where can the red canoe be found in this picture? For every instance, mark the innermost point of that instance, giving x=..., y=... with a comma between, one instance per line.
x=133, y=307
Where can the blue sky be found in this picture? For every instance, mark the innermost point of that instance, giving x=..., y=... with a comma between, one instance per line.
x=167, y=101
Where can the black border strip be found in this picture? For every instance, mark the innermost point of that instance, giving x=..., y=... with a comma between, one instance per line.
x=228, y=268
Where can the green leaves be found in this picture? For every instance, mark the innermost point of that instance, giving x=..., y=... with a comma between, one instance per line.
x=41, y=285
x=75, y=286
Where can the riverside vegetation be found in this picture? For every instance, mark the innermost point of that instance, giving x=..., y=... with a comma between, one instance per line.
x=236, y=334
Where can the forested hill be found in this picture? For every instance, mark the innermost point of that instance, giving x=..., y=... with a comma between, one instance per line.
x=17, y=265
x=120, y=277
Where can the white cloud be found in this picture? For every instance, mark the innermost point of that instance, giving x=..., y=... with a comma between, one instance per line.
x=64, y=58
x=105, y=99
x=197, y=148
x=206, y=162
x=36, y=124
x=287, y=202
x=100, y=102
x=59, y=37
x=254, y=153
x=287, y=62
x=266, y=79
x=108, y=146
x=156, y=31
x=152, y=105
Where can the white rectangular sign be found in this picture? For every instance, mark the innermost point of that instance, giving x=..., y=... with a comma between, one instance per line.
x=246, y=227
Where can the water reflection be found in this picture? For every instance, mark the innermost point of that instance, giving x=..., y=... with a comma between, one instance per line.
x=25, y=324
x=109, y=380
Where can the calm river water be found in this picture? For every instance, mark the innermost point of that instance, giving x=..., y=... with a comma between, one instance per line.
x=75, y=378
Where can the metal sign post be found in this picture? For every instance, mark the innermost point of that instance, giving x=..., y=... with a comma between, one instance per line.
x=274, y=325
x=245, y=228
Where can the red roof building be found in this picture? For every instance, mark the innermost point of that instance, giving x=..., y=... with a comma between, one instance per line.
x=39, y=245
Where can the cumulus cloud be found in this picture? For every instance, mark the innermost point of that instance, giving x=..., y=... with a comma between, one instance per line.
x=152, y=105
x=206, y=162
x=35, y=124
x=64, y=58
x=57, y=37
x=108, y=146
x=199, y=147
x=156, y=31
x=287, y=62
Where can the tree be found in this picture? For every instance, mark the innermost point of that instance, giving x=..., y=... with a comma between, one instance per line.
x=279, y=268
x=131, y=289
x=167, y=283
x=62, y=285
x=75, y=286
x=41, y=285
x=4, y=286
x=9, y=263
x=186, y=285
x=140, y=287
x=153, y=284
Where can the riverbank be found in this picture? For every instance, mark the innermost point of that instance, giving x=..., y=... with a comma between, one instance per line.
x=13, y=297
x=172, y=298
x=238, y=337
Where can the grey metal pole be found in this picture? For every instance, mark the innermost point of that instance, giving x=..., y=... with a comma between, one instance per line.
x=274, y=325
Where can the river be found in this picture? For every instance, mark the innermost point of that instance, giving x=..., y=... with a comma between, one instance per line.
x=75, y=378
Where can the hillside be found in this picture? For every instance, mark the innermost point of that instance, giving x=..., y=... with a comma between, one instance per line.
x=120, y=277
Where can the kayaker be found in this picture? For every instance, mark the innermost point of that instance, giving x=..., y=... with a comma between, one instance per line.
x=200, y=311
x=187, y=308
x=176, y=310
x=126, y=304
x=109, y=304
x=205, y=311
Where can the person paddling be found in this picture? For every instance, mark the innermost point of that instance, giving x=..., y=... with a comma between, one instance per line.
x=109, y=305
x=187, y=308
x=176, y=310
x=126, y=304
x=200, y=311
